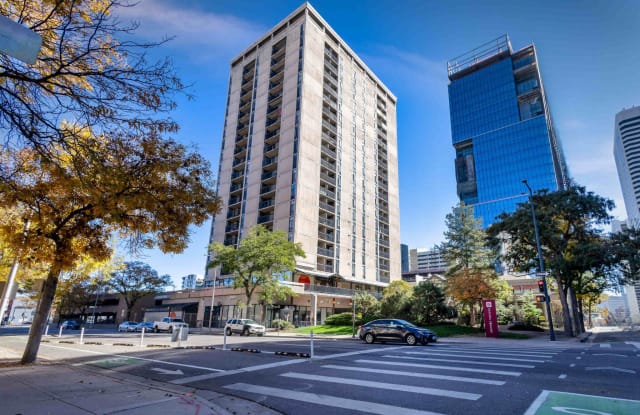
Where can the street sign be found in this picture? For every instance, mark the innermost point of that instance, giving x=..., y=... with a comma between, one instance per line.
x=490, y=318
x=18, y=41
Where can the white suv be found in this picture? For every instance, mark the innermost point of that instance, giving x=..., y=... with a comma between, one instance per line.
x=243, y=326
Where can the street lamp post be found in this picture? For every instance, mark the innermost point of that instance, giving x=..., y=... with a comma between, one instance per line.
x=552, y=333
x=213, y=297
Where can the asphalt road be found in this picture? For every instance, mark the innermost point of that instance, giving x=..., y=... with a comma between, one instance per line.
x=468, y=376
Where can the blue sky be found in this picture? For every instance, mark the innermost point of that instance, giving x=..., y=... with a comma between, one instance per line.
x=589, y=53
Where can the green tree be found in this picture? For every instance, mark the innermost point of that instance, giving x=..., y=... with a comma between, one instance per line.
x=261, y=256
x=396, y=300
x=470, y=277
x=567, y=221
x=625, y=247
x=429, y=304
x=367, y=306
x=136, y=280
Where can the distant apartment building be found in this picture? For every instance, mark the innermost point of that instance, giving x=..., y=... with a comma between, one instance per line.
x=501, y=128
x=427, y=260
x=309, y=148
x=192, y=281
x=404, y=257
x=626, y=151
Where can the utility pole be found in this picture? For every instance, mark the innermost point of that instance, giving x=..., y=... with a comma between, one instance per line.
x=552, y=333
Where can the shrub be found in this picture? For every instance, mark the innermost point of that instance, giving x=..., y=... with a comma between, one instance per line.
x=281, y=324
x=341, y=319
x=525, y=327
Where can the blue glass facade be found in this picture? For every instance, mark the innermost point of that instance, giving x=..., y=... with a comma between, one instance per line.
x=502, y=133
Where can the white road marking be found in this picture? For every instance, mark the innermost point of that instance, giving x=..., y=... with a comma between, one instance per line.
x=572, y=365
x=167, y=371
x=578, y=358
x=617, y=369
x=417, y=375
x=605, y=345
x=132, y=357
x=563, y=376
x=482, y=352
x=385, y=385
x=634, y=344
x=481, y=356
x=206, y=376
x=328, y=400
x=517, y=352
x=610, y=354
x=461, y=369
x=469, y=362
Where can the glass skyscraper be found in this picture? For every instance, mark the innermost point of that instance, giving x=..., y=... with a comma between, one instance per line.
x=501, y=129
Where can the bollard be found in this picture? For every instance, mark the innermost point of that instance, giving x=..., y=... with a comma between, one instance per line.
x=142, y=338
x=180, y=337
x=60, y=332
x=46, y=330
x=224, y=343
x=311, y=344
x=82, y=335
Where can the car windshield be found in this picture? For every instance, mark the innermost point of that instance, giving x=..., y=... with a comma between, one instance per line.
x=249, y=321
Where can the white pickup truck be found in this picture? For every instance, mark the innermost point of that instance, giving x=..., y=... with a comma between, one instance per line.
x=169, y=324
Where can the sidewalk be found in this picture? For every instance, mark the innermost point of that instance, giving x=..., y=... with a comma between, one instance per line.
x=55, y=389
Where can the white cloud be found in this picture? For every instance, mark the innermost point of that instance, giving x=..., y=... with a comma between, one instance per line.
x=408, y=70
x=200, y=34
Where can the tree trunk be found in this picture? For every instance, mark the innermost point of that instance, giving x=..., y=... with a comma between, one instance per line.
x=566, y=317
x=575, y=311
x=42, y=313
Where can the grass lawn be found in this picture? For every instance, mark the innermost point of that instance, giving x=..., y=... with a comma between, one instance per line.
x=445, y=330
x=326, y=330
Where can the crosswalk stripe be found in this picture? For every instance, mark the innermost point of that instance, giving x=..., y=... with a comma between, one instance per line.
x=501, y=353
x=469, y=362
x=461, y=369
x=385, y=385
x=417, y=375
x=544, y=349
x=475, y=357
x=328, y=400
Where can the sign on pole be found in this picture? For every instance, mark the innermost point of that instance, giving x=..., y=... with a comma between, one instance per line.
x=490, y=318
x=18, y=41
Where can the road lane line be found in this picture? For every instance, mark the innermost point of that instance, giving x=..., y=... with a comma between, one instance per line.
x=572, y=365
x=461, y=369
x=328, y=400
x=470, y=362
x=605, y=345
x=417, y=375
x=384, y=385
x=563, y=376
x=475, y=357
x=132, y=357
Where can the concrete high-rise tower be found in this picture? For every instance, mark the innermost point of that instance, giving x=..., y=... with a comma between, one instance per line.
x=501, y=129
x=626, y=151
x=309, y=148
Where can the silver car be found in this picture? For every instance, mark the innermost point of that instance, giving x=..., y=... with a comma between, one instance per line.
x=244, y=326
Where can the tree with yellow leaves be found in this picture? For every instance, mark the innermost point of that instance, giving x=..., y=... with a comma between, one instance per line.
x=147, y=189
x=90, y=69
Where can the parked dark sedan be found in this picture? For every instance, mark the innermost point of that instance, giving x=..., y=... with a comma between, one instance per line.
x=384, y=330
x=70, y=325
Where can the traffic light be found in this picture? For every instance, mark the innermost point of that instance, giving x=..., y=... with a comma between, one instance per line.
x=541, y=285
x=540, y=298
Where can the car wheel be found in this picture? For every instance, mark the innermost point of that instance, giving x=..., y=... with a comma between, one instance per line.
x=170, y=329
x=229, y=333
x=369, y=338
x=260, y=334
x=155, y=330
x=245, y=332
x=411, y=340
